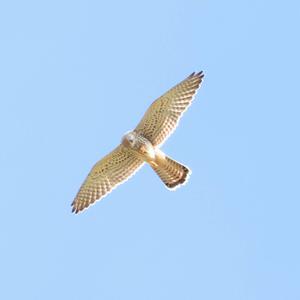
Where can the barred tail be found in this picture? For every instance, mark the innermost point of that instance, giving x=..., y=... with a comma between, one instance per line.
x=172, y=173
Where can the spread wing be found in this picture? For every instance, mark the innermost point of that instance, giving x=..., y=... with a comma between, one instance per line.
x=109, y=172
x=162, y=117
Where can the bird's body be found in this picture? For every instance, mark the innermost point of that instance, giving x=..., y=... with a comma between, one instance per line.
x=143, y=145
x=171, y=172
x=140, y=145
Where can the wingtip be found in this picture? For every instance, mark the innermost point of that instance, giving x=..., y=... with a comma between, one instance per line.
x=75, y=210
x=200, y=74
x=197, y=75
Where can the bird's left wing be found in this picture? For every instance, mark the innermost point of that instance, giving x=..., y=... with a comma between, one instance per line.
x=109, y=172
x=162, y=117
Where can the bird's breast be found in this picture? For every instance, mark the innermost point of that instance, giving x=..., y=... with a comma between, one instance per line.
x=145, y=148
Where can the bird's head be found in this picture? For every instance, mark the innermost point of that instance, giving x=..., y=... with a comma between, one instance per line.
x=129, y=139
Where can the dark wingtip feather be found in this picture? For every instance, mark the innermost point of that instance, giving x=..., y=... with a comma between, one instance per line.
x=75, y=210
x=200, y=74
x=195, y=75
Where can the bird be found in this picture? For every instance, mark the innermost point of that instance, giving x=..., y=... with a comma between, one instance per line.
x=142, y=145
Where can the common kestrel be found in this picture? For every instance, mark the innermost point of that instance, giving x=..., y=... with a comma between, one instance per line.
x=142, y=145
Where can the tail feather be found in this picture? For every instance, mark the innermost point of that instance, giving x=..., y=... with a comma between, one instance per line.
x=172, y=173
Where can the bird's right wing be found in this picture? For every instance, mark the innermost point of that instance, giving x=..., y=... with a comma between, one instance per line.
x=162, y=117
x=108, y=173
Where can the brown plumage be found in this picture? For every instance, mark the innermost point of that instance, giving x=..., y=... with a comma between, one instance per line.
x=142, y=145
x=172, y=173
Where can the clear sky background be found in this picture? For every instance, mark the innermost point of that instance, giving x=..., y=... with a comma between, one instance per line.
x=76, y=75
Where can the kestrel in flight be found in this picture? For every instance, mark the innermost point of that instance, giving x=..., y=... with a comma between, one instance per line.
x=142, y=145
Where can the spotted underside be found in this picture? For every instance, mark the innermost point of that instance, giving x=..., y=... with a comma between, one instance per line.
x=159, y=121
x=109, y=172
x=162, y=117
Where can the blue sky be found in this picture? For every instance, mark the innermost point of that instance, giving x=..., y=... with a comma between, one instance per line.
x=76, y=75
